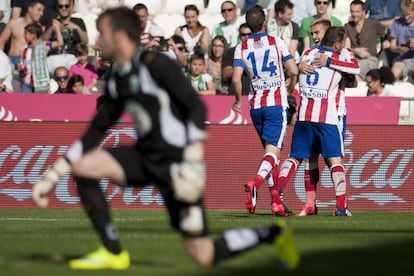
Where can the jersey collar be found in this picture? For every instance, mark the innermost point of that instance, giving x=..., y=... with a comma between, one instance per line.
x=257, y=35
x=325, y=49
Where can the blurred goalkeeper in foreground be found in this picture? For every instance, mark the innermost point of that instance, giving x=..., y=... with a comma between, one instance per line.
x=169, y=119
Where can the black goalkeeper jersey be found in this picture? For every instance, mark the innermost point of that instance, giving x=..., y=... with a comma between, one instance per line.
x=167, y=112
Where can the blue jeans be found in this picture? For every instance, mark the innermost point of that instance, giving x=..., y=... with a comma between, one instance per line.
x=27, y=88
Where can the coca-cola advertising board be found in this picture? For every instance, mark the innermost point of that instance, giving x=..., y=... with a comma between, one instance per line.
x=379, y=162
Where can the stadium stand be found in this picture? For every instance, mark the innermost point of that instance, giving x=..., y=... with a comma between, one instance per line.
x=341, y=10
x=154, y=6
x=169, y=22
x=213, y=7
x=177, y=6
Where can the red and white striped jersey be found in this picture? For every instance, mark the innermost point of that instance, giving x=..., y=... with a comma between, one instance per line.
x=263, y=56
x=320, y=92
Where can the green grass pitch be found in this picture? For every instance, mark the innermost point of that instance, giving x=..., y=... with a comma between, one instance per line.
x=38, y=242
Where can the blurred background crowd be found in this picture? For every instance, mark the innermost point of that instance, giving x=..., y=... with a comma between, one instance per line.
x=48, y=46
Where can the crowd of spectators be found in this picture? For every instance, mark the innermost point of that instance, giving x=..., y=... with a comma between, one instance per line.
x=380, y=33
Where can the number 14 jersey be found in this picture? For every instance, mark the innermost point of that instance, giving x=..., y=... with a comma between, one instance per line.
x=263, y=56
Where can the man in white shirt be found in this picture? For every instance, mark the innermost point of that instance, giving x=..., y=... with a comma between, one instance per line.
x=229, y=28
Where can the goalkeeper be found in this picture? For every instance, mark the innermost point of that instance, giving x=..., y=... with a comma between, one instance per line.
x=169, y=119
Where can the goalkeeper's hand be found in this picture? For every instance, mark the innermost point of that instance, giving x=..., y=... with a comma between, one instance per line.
x=42, y=188
x=188, y=177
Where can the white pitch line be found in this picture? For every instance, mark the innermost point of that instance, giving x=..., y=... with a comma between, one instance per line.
x=68, y=219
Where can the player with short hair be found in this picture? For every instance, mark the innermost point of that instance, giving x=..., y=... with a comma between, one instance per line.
x=317, y=123
x=264, y=56
x=169, y=118
x=311, y=173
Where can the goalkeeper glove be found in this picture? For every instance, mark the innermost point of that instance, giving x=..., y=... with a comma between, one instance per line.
x=188, y=177
x=42, y=188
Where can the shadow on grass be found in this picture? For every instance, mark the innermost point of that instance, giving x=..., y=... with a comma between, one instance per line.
x=64, y=259
x=390, y=259
x=387, y=259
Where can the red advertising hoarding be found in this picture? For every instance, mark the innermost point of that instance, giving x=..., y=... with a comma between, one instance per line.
x=379, y=161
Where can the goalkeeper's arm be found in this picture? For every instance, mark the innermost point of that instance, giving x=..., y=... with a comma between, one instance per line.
x=188, y=177
x=42, y=188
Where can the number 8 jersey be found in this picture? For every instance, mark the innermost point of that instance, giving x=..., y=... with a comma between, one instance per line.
x=320, y=91
x=263, y=56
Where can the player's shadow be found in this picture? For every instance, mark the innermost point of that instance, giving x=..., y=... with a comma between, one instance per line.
x=64, y=259
x=386, y=259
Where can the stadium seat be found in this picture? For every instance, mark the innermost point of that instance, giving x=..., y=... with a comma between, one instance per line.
x=359, y=91
x=154, y=6
x=341, y=10
x=177, y=6
x=169, y=22
x=210, y=20
x=214, y=7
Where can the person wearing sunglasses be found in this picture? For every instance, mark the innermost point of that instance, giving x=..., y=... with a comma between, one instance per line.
x=229, y=28
x=61, y=77
x=227, y=64
x=322, y=7
x=73, y=32
x=362, y=36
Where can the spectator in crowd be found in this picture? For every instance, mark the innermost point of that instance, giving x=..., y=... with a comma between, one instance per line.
x=302, y=9
x=73, y=31
x=201, y=82
x=281, y=25
x=76, y=85
x=196, y=36
x=362, y=34
x=321, y=13
x=402, y=38
x=34, y=68
x=401, y=87
x=61, y=76
x=14, y=31
x=146, y=25
x=6, y=73
x=19, y=8
x=227, y=64
x=176, y=45
x=216, y=53
x=229, y=28
x=378, y=83
x=84, y=68
x=386, y=12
